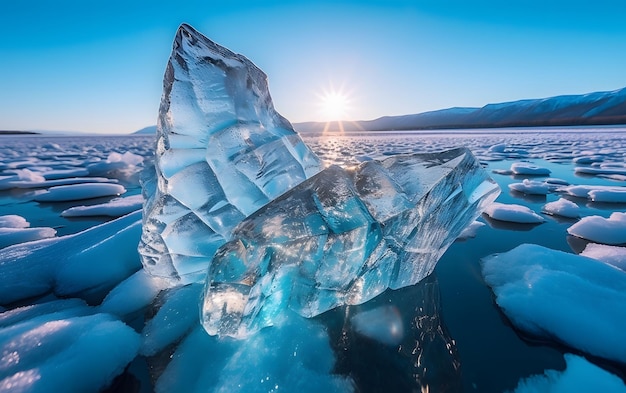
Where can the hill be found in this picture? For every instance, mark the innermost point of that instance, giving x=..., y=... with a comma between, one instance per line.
x=600, y=108
x=146, y=130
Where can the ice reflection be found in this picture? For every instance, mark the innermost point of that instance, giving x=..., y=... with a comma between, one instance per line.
x=424, y=359
x=510, y=226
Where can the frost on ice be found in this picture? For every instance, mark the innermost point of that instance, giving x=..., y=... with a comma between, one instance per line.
x=230, y=172
x=343, y=237
x=222, y=152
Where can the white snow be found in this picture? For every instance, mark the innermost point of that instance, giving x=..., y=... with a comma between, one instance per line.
x=554, y=294
x=579, y=376
x=614, y=194
x=611, y=255
x=512, y=213
x=600, y=171
x=21, y=177
x=115, y=162
x=80, y=191
x=562, y=207
x=598, y=229
x=524, y=168
x=15, y=229
x=531, y=187
x=114, y=208
x=61, y=348
x=13, y=221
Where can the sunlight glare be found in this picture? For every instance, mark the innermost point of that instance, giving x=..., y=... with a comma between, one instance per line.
x=334, y=105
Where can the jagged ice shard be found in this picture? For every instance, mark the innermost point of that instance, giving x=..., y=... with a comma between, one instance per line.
x=222, y=152
x=235, y=197
x=343, y=237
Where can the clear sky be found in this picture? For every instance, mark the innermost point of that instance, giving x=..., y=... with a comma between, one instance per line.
x=97, y=66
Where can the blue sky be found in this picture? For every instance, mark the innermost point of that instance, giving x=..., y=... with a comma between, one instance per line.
x=97, y=66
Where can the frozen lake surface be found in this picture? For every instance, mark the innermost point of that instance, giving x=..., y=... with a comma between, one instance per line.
x=447, y=332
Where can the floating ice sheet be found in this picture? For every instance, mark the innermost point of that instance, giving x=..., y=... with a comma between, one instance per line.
x=553, y=294
x=62, y=346
x=610, y=230
x=87, y=264
x=343, y=237
x=513, y=213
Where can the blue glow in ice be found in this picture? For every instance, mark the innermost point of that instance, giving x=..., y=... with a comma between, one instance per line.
x=343, y=237
x=222, y=153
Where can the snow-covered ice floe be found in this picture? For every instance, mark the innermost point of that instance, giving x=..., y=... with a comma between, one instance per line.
x=531, y=187
x=13, y=221
x=576, y=300
x=512, y=213
x=611, y=255
x=62, y=346
x=524, y=168
x=67, y=345
x=15, y=229
x=600, y=171
x=562, y=207
x=87, y=264
x=115, y=208
x=611, y=230
x=10, y=236
x=610, y=194
x=80, y=191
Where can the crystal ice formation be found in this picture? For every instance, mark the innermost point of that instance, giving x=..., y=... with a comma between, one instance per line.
x=343, y=237
x=222, y=152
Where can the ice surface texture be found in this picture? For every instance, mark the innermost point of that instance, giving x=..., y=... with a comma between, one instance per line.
x=222, y=153
x=343, y=237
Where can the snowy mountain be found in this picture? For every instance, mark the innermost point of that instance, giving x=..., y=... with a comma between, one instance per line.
x=588, y=109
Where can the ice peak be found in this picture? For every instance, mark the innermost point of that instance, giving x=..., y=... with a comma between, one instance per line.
x=191, y=42
x=227, y=87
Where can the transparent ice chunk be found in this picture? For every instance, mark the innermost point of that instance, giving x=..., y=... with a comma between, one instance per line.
x=222, y=152
x=343, y=237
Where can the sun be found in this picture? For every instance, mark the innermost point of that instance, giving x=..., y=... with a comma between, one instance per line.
x=334, y=105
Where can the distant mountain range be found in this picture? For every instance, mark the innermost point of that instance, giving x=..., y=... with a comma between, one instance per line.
x=599, y=108
x=146, y=130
